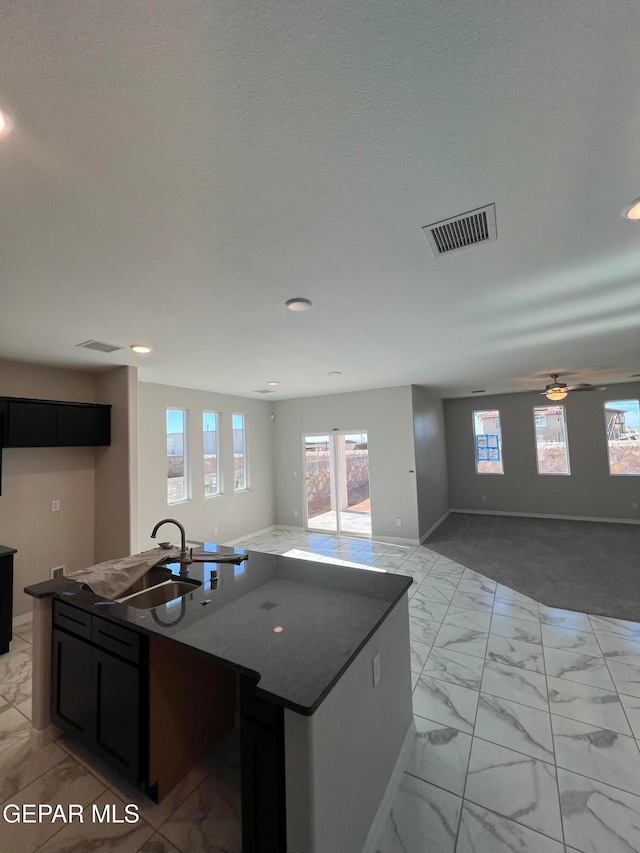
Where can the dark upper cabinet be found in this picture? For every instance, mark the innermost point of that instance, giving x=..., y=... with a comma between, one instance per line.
x=48, y=423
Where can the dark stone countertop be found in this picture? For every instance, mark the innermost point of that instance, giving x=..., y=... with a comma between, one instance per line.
x=327, y=612
x=4, y=551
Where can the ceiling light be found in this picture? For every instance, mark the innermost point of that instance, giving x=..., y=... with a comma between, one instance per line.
x=335, y=373
x=298, y=304
x=273, y=383
x=556, y=394
x=6, y=124
x=633, y=211
x=140, y=348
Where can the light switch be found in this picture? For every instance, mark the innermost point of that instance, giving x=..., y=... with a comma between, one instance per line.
x=55, y=506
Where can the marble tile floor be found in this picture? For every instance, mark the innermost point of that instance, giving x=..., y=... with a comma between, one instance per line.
x=527, y=717
x=527, y=730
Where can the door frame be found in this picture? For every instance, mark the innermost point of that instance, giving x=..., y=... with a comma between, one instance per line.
x=334, y=476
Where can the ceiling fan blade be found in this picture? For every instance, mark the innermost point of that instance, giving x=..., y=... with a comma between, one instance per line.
x=587, y=388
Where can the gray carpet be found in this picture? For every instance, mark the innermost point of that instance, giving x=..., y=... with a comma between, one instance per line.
x=576, y=565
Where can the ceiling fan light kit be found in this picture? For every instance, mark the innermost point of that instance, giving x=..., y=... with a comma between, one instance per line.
x=557, y=391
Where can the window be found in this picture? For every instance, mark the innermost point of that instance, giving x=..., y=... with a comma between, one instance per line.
x=552, y=449
x=212, y=484
x=488, y=442
x=177, y=485
x=240, y=467
x=622, y=423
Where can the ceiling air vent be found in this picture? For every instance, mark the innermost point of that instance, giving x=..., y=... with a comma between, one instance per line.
x=264, y=391
x=476, y=226
x=100, y=346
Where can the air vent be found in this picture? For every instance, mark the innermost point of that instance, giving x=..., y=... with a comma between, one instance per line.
x=476, y=226
x=100, y=346
x=264, y=391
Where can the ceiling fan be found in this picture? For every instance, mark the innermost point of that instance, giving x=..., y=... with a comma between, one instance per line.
x=559, y=390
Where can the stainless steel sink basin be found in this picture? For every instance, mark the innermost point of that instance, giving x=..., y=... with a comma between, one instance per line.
x=154, y=596
x=153, y=577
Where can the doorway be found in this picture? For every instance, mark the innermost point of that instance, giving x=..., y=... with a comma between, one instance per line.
x=337, y=496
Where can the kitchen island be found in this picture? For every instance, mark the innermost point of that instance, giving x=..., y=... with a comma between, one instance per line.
x=321, y=657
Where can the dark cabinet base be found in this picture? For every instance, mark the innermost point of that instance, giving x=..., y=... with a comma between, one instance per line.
x=6, y=597
x=97, y=697
x=262, y=773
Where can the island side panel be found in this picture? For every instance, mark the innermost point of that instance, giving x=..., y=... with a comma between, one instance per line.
x=340, y=760
x=41, y=727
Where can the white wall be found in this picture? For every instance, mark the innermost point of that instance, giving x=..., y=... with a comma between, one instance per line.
x=33, y=477
x=339, y=760
x=386, y=415
x=234, y=514
x=431, y=458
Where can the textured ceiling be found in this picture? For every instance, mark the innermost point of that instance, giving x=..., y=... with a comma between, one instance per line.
x=179, y=169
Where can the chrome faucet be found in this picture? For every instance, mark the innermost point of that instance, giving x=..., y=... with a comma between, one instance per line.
x=185, y=556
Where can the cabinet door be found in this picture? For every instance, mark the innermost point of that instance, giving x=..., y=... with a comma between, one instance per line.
x=71, y=685
x=34, y=424
x=86, y=426
x=262, y=782
x=116, y=693
x=6, y=601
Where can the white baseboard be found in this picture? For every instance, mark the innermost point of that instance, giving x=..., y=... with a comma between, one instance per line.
x=241, y=539
x=545, y=515
x=19, y=621
x=437, y=524
x=393, y=540
x=391, y=792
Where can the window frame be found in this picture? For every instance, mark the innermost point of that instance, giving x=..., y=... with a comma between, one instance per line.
x=245, y=454
x=476, y=461
x=540, y=473
x=185, y=454
x=219, y=484
x=606, y=439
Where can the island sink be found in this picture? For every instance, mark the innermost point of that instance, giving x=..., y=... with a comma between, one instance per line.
x=160, y=593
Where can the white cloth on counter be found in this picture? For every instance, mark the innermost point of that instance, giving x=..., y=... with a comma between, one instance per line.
x=111, y=578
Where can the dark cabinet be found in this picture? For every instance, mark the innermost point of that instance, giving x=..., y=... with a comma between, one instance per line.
x=71, y=684
x=147, y=706
x=115, y=690
x=262, y=773
x=99, y=697
x=6, y=597
x=48, y=423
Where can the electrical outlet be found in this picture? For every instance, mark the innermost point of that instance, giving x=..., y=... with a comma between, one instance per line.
x=215, y=531
x=58, y=572
x=484, y=499
x=55, y=506
x=398, y=522
x=634, y=504
x=295, y=512
x=376, y=669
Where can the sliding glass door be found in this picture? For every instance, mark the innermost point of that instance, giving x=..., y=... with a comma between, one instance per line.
x=337, y=483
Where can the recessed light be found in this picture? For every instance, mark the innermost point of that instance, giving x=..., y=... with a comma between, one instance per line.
x=273, y=383
x=278, y=629
x=140, y=348
x=6, y=124
x=335, y=373
x=633, y=210
x=298, y=304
